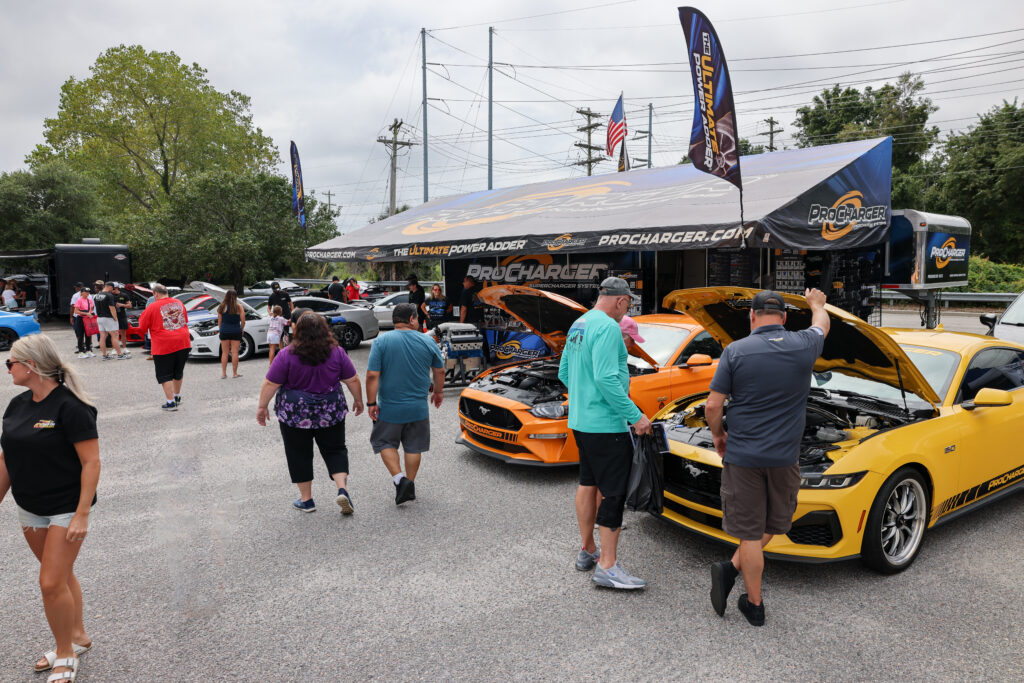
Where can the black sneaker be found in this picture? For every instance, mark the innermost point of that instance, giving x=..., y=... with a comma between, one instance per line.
x=753, y=613
x=723, y=576
x=405, y=490
x=177, y=400
x=169, y=407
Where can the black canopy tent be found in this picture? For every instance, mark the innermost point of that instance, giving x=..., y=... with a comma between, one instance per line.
x=829, y=197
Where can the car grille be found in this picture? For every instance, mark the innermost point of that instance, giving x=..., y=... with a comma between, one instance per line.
x=498, y=445
x=820, y=527
x=694, y=481
x=696, y=515
x=490, y=415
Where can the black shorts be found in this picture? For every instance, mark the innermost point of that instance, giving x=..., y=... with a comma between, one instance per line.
x=231, y=336
x=170, y=366
x=605, y=461
x=122, y=323
x=758, y=500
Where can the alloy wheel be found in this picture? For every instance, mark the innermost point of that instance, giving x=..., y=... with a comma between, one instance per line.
x=903, y=521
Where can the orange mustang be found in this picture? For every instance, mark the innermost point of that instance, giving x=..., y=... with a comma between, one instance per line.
x=518, y=412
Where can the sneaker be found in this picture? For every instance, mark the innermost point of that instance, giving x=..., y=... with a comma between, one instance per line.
x=177, y=400
x=81, y=354
x=122, y=356
x=344, y=501
x=90, y=354
x=108, y=357
x=169, y=407
x=405, y=490
x=304, y=505
x=127, y=353
x=616, y=577
x=723, y=576
x=753, y=613
x=585, y=561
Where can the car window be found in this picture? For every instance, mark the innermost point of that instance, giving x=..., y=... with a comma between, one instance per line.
x=660, y=342
x=937, y=365
x=1014, y=313
x=320, y=306
x=992, y=369
x=702, y=343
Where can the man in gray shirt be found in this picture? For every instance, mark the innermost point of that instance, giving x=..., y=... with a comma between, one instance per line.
x=767, y=378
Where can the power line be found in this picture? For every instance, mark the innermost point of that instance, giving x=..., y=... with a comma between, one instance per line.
x=535, y=16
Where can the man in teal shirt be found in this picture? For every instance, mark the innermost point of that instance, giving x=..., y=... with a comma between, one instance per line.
x=404, y=365
x=594, y=369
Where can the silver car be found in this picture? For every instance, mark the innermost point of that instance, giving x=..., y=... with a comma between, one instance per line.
x=360, y=324
x=383, y=307
x=1010, y=324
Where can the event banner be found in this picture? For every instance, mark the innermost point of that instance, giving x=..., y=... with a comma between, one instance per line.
x=714, y=143
x=298, y=195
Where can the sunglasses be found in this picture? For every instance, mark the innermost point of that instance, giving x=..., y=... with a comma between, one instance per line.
x=10, y=363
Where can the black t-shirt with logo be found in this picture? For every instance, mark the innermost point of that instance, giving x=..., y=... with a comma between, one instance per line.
x=122, y=313
x=279, y=298
x=472, y=304
x=103, y=301
x=337, y=291
x=417, y=299
x=38, y=441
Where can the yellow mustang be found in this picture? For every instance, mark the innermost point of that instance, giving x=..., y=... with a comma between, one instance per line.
x=905, y=429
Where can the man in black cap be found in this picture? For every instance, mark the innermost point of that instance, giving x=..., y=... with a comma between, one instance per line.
x=767, y=377
x=417, y=297
x=279, y=297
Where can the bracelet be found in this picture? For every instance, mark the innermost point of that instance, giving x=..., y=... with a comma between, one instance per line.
x=370, y=404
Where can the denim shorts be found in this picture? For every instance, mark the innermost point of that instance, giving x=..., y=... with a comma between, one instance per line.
x=31, y=520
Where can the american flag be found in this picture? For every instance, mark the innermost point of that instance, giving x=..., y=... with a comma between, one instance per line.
x=616, y=127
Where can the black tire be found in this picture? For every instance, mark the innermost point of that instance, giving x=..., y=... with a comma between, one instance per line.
x=897, y=522
x=246, y=348
x=350, y=336
x=7, y=337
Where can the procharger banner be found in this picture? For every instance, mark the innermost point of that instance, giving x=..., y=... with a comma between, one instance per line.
x=714, y=144
x=298, y=195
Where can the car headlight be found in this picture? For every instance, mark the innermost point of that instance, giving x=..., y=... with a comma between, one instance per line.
x=550, y=411
x=207, y=331
x=831, y=481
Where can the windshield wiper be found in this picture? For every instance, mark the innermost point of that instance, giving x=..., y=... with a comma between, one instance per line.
x=1003, y=322
x=853, y=394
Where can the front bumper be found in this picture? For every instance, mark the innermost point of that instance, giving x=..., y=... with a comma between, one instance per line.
x=516, y=444
x=204, y=347
x=828, y=525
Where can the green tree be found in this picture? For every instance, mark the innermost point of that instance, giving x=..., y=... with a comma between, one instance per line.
x=223, y=225
x=897, y=109
x=979, y=175
x=48, y=205
x=143, y=122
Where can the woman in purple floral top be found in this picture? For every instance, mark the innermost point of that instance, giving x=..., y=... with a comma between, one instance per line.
x=310, y=406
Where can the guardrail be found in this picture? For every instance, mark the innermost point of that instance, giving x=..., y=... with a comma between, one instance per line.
x=1001, y=298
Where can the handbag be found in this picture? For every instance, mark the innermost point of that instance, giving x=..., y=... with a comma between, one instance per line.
x=306, y=410
x=91, y=325
x=645, y=491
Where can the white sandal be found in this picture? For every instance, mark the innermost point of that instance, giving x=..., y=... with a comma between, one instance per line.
x=72, y=663
x=51, y=656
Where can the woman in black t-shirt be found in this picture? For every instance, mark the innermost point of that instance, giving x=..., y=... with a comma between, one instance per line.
x=50, y=460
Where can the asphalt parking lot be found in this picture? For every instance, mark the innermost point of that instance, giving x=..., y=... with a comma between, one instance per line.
x=198, y=569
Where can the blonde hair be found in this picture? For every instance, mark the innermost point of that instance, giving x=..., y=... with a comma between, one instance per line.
x=41, y=350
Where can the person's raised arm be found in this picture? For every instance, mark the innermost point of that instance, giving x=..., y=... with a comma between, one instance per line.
x=819, y=316
x=89, y=455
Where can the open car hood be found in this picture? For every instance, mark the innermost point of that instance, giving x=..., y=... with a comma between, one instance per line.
x=213, y=290
x=547, y=314
x=853, y=347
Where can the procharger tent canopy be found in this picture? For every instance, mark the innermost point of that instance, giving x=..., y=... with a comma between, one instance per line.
x=829, y=197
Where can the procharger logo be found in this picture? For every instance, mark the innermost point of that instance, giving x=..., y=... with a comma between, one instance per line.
x=947, y=252
x=563, y=241
x=514, y=349
x=845, y=214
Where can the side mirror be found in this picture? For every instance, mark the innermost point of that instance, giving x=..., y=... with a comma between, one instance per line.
x=698, y=359
x=989, y=398
x=989, y=320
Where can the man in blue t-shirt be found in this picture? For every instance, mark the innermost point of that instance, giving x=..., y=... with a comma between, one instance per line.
x=404, y=366
x=767, y=377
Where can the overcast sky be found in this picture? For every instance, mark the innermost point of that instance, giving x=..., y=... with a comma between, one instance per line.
x=333, y=75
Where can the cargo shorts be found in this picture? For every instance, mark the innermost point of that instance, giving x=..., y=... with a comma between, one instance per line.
x=758, y=500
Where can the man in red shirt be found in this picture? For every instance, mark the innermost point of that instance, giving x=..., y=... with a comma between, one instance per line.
x=167, y=323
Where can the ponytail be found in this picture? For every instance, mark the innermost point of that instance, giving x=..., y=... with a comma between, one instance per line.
x=41, y=350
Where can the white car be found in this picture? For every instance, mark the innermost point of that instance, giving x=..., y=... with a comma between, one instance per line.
x=205, y=336
x=1009, y=324
x=264, y=287
x=382, y=308
x=359, y=324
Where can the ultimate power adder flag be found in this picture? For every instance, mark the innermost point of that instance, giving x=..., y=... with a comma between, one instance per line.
x=298, y=193
x=827, y=197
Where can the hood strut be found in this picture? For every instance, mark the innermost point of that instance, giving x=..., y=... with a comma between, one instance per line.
x=903, y=392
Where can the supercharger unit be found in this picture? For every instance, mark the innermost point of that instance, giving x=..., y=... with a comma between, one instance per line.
x=926, y=253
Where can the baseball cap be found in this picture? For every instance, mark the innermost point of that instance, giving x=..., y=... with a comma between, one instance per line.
x=412, y=278
x=616, y=286
x=111, y=284
x=628, y=326
x=768, y=300
x=99, y=282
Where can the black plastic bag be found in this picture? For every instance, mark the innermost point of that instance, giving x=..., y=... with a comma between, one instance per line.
x=645, y=491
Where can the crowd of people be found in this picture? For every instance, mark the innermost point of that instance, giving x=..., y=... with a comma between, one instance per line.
x=14, y=295
x=50, y=456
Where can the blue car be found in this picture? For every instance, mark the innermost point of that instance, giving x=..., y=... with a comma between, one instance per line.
x=13, y=326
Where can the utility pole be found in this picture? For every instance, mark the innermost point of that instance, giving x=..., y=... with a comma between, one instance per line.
x=394, y=143
x=423, y=40
x=328, y=193
x=772, y=130
x=589, y=128
x=490, y=107
x=646, y=134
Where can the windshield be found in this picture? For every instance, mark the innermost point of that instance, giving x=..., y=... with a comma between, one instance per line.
x=1014, y=313
x=936, y=365
x=660, y=342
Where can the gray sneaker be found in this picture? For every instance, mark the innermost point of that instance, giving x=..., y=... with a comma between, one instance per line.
x=585, y=561
x=616, y=577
